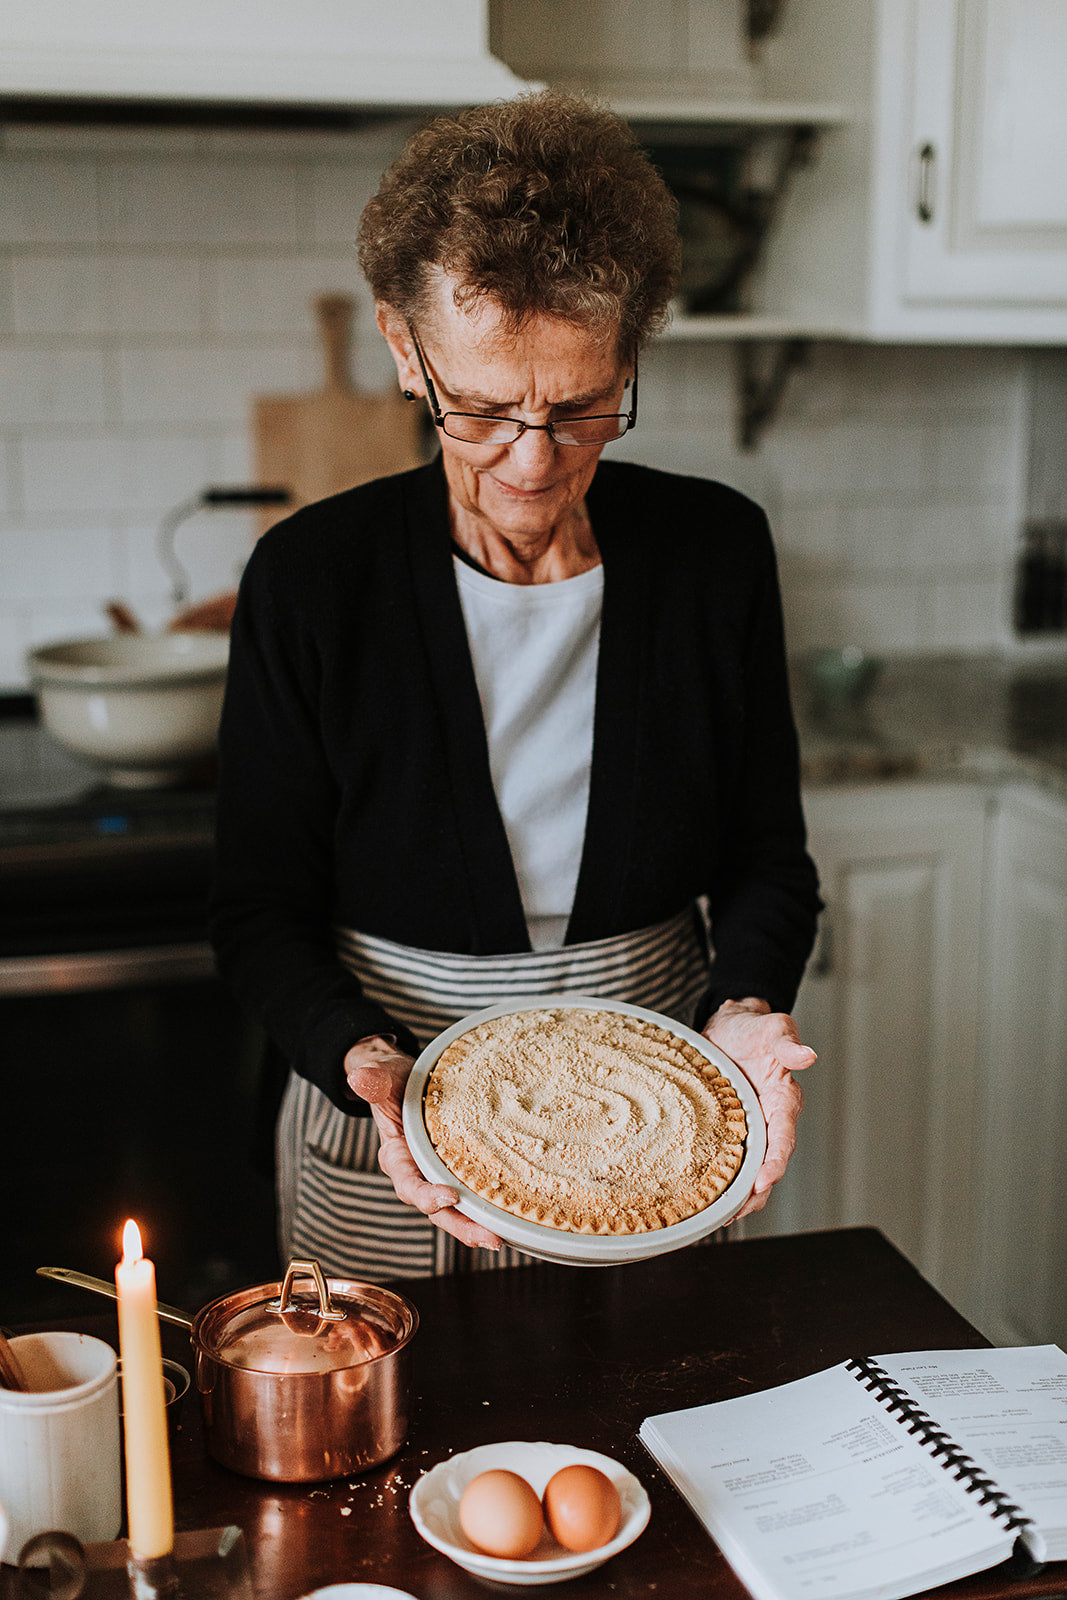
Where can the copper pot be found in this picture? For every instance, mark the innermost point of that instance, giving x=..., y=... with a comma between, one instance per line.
x=297, y=1390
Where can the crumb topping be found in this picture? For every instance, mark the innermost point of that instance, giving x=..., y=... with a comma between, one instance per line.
x=587, y=1121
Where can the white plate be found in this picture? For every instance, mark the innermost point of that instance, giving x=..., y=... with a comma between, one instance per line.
x=359, y=1591
x=556, y=1244
x=434, y=1506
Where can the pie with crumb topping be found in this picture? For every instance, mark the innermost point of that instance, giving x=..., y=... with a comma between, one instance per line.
x=585, y=1120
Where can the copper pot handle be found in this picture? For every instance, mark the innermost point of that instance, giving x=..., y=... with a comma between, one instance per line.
x=309, y=1269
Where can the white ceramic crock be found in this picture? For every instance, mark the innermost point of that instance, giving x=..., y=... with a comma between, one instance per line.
x=59, y=1441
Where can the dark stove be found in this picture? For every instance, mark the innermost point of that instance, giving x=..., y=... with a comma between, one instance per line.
x=87, y=867
x=132, y=1081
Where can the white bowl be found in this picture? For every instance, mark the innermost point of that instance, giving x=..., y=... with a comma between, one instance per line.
x=141, y=706
x=556, y=1244
x=434, y=1506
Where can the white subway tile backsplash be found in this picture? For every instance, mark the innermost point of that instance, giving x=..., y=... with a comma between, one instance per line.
x=881, y=456
x=162, y=470
x=970, y=460
x=5, y=293
x=662, y=390
x=72, y=476
x=338, y=191
x=48, y=199
x=9, y=478
x=272, y=295
x=77, y=294
x=812, y=609
x=197, y=200
x=58, y=561
x=63, y=295
x=230, y=457
x=890, y=382
x=696, y=378
x=809, y=529
x=47, y=386
x=104, y=139
x=951, y=536
x=969, y=382
x=158, y=295
x=964, y=613
x=12, y=649
x=207, y=385
x=877, y=537
x=372, y=365
x=880, y=613
x=670, y=448
x=815, y=394
x=809, y=460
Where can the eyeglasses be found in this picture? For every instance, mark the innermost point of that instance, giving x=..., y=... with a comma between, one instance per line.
x=474, y=428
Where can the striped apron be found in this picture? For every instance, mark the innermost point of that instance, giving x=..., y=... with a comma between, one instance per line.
x=334, y=1202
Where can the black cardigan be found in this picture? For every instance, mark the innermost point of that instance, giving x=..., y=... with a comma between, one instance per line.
x=355, y=787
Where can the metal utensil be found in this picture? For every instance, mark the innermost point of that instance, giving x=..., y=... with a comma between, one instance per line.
x=11, y=1373
x=82, y=1280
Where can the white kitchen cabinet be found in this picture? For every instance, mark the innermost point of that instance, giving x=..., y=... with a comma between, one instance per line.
x=890, y=1134
x=343, y=53
x=940, y=210
x=937, y=1001
x=1023, y=1259
x=987, y=223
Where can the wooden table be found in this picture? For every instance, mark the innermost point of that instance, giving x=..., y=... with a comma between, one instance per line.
x=581, y=1355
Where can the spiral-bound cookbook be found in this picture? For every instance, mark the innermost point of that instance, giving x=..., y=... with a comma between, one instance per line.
x=881, y=1477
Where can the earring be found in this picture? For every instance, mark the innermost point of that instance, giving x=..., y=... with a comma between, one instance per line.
x=410, y=395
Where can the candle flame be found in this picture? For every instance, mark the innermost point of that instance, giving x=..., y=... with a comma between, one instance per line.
x=131, y=1242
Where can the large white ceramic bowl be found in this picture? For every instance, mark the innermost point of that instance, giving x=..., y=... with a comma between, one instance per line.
x=434, y=1506
x=142, y=707
x=556, y=1244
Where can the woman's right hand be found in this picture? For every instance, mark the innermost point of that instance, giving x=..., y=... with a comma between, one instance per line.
x=378, y=1072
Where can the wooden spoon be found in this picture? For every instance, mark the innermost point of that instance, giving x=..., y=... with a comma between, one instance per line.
x=11, y=1373
x=122, y=618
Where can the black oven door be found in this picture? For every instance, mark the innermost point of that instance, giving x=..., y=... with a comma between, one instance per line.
x=132, y=1082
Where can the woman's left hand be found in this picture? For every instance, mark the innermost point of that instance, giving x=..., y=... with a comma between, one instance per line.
x=766, y=1046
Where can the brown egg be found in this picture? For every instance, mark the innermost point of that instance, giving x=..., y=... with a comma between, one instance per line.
x=582, y=1507
x=501, y=1514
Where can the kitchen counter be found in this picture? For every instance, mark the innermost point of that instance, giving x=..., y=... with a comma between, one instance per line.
x=581, y=1355
x=978, y=718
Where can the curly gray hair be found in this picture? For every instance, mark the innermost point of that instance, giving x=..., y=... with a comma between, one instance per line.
x=544, y=204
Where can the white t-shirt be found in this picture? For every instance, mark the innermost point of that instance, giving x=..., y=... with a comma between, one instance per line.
x=534, y=649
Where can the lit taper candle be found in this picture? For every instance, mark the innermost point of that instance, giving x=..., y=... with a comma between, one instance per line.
x=149, y=1504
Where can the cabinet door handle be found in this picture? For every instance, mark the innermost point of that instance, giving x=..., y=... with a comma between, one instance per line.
x=924, y=198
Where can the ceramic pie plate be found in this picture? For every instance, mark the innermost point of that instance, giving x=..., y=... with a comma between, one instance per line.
x=556, y=1244
x=434, y=1506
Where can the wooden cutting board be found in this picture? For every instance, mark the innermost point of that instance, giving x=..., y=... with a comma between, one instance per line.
x=319, y=444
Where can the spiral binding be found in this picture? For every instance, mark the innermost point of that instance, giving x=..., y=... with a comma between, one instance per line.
x=962, y=1466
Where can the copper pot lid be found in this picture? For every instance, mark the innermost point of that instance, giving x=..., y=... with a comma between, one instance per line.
x=269, y=1329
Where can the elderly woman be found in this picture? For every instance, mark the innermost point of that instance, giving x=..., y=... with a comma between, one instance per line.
x=514, y=723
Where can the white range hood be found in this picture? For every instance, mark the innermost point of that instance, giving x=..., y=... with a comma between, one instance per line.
x=336, y=53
